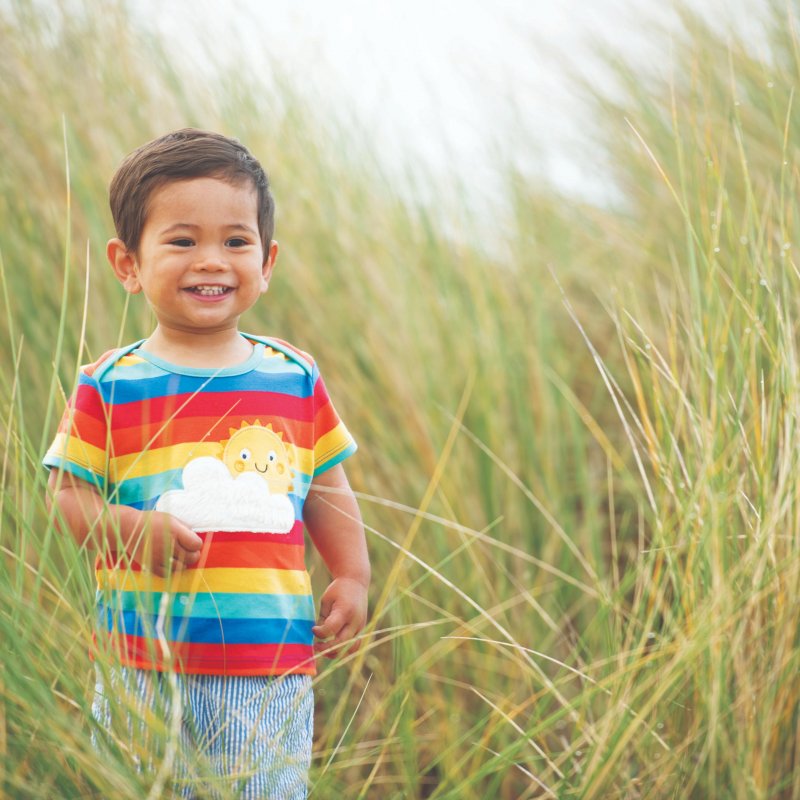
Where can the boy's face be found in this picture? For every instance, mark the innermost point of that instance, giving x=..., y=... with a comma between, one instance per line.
x=201, y=262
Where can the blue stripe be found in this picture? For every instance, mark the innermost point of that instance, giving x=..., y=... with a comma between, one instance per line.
x=269, y=365
x=337, y=459
x=206, y=630
x=272, y=365
x=132, y=372
x=295, y=383
x=143, y=492
x=78, y=471
x=228, y=605
x=150, y=503
x=144, y=505
x=301, y=484
x=86, y=380
x=297, y=500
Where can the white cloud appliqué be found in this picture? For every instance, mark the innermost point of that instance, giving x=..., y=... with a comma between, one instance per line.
x=213, y=500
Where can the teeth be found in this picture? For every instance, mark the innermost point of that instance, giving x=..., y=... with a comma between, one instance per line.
x=209, y=290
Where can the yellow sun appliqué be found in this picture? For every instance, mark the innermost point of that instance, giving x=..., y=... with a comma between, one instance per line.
x=260, y=449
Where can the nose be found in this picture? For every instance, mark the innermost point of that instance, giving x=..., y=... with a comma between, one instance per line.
x=210, y=259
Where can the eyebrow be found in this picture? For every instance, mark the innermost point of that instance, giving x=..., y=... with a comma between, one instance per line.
x=234, y=226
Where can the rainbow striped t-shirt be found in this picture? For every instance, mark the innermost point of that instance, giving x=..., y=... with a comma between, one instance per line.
x=232, y=453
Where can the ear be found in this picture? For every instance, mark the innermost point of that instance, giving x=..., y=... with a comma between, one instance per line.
x=124, y=264
x=268, y=265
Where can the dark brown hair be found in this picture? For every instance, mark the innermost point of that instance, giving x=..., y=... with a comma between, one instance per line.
x=182, y=155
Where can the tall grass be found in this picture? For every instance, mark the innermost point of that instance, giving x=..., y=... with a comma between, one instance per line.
x=578, y=461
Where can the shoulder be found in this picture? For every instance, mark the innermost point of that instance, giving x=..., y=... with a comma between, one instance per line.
x=98, y=369
x=291, y=352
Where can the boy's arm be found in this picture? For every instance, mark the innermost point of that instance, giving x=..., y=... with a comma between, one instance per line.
x=151, y=538
x=333, y=521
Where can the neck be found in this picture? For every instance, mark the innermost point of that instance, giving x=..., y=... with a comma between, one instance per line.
x=211, y=350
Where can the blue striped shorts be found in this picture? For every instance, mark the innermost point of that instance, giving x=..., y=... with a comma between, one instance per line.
x=219, y=736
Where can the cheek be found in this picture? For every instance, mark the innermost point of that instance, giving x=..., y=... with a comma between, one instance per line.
x=281, y=469
x=238, y=465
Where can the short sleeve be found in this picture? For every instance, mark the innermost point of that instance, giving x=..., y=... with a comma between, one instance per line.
x=80, y=446
x=333, y=443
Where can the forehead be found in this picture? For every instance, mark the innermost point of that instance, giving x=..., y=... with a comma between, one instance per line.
x=206, y=197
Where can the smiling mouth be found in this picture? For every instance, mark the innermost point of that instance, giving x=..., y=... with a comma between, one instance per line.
x=266, y=467
x=209, y=291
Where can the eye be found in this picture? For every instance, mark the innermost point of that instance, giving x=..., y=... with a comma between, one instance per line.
x=245, y=455
x=271, y=456
x=237, y=241
x=182, y=242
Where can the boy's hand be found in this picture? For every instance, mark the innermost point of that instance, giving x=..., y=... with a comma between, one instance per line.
x=164, y=544
x=343, y=614
x=154, y=539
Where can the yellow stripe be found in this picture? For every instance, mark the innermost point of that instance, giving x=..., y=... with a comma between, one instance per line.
x=217, y=579
x=331, y=444
x=72, y=448
x=161, y=459
x=303, y=460
x=177, y=456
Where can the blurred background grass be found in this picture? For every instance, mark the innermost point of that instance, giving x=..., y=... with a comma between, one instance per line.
x=579, y=440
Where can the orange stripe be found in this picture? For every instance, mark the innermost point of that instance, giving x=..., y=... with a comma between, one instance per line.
x=196, y=429
x=255, y=554
x=325, y=420
x=87, y=428
x=235, y=549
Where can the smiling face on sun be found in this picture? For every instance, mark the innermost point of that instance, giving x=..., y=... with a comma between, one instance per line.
x=258, y=448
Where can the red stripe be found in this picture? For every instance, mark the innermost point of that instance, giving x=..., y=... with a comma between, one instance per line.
x=215, y=659
x=85, y=426
x=321, y=395
x=292, y=537
x=240, y=549
x=185, y=428
x=255, y=555
x=212, y=404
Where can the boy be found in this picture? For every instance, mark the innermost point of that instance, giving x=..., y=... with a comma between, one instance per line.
x=192, y=460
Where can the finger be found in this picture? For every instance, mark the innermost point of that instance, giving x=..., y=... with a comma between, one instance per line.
x=160, y=570
x=325, y=607
x=336, y=647
x=326, y=650
x=188, y=539
x=174, y=559
x=324, y=628
x=185, y=557
x=171, y=565
x=329, y=625
x=330, y=648
x=342, y=634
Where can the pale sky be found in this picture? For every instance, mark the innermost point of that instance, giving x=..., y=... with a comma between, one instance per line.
x=434, y=80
